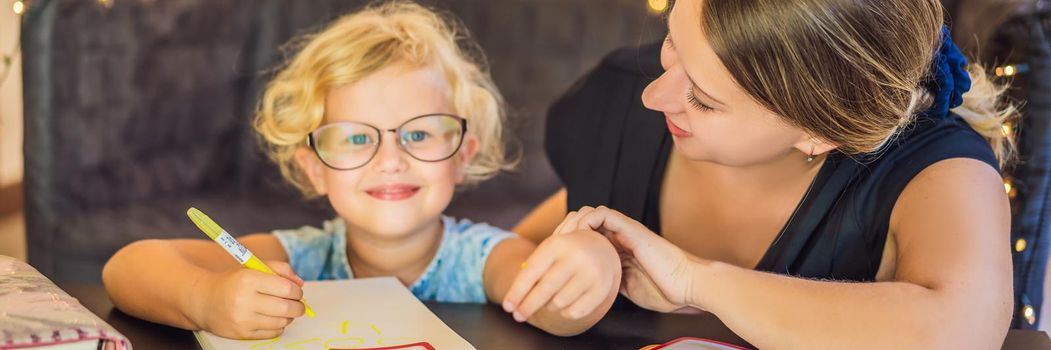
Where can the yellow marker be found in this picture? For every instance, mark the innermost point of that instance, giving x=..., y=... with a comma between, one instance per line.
x=238, y=251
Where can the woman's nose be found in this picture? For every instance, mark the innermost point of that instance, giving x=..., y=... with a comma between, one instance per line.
x=664, y=94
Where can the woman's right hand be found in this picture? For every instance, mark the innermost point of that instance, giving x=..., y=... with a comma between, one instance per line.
x=247, y=304
x=637, y=286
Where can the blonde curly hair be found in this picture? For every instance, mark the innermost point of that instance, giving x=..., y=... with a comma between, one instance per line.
x=364, y=42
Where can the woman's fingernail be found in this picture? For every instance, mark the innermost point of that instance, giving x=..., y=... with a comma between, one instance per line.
x=518, y=317
x=508, y=306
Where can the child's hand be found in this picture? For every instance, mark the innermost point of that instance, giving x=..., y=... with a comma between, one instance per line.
x=247, y=304
x=576, y=273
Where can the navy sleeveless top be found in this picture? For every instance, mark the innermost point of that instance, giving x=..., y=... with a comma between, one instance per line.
x=608, y=149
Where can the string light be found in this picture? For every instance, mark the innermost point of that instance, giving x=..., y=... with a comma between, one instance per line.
x=106, y=3
x=19, y=7
x=1011, y=70
x=1020, y=245
x=1005, y=71
x=1008, y=129
x=1030, y=314
x=1010, y=189
x=657, y=6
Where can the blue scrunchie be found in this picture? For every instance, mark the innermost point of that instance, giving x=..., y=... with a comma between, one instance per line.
x=949, y=79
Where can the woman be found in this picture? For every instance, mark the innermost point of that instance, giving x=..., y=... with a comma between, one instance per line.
x=813, y=148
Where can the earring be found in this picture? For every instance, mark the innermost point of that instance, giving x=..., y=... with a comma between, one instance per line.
x=810, y=156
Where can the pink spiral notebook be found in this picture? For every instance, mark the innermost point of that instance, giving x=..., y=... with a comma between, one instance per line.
x=36, y=314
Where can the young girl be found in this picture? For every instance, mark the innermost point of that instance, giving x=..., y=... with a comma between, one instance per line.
x=385, y=115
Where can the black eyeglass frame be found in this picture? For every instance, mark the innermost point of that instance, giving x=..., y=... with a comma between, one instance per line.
x=312, y=139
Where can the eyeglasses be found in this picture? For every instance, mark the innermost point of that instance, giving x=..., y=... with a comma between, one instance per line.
x=351, y=145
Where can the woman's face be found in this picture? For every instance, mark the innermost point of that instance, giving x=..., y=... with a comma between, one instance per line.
x=393, y=194
x=710, y=117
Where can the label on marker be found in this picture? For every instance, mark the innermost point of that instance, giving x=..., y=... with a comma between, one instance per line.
x=233, y=247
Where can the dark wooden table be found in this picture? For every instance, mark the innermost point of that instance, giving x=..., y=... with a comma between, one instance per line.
x=488, y=327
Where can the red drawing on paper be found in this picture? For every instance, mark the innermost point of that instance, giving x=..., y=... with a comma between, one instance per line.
x=413, y=346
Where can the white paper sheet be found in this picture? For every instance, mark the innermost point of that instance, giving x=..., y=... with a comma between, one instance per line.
x=364, y=313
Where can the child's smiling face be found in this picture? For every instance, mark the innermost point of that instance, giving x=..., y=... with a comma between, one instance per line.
x=394, y=194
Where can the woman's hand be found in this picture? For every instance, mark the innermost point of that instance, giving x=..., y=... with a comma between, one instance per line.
x=637, y=285
x=247, y=304
x=657, y=274
x=577, y=273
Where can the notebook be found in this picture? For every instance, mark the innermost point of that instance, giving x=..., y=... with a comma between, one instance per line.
x=36, y=314
x=367, y=313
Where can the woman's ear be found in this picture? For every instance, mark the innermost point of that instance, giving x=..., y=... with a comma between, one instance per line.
x=313, y=168
x=813, y=146
x=467, y=152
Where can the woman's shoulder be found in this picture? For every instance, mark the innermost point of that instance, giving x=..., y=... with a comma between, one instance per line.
x=643, y=59
x=872, y=184
x=599, y=130
x=924, y=143
x=608, y=89
x=841, y=227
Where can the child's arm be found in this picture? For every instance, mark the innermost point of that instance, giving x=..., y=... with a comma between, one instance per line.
x=582, y=278
x=196, y=284
x=542, y=221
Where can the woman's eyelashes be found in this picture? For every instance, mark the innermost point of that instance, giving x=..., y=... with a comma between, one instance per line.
x=690, y=97
x=696, y=103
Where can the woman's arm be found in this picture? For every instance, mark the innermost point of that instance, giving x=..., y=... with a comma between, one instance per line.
x=539, y=224
x=164, y=280
x=578, y=298
x=952, y=286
